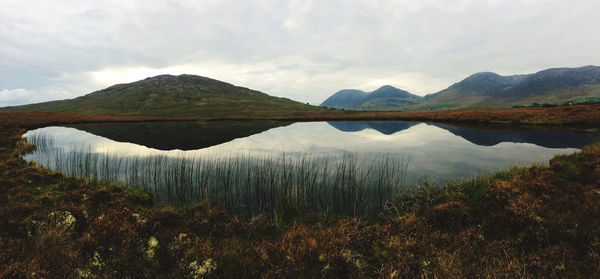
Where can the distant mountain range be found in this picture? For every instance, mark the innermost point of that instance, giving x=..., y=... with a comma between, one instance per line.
x=484, y=90
x=386, y=97
x=168, y=95
x=189, y=95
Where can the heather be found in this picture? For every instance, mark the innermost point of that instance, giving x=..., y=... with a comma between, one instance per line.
x=539, y=221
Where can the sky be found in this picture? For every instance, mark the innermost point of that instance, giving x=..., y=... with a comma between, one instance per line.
x=304, y=50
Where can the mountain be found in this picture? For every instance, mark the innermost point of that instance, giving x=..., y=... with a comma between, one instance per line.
x=386, y=97
x=389, y=97
x=168, y=95
x=553, y=86
x=345, y=99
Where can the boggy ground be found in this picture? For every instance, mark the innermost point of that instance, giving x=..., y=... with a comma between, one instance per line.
x=539, y=221
x=561, y=115
x=581, y=115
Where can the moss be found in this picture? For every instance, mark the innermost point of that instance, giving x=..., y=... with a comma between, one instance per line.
x=201, y=270
x=139, y=197
x=152, y=245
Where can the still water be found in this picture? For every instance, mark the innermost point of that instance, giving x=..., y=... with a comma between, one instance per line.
x=420, y=152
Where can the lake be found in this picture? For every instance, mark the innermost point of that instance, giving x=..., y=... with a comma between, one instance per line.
x=250, y=167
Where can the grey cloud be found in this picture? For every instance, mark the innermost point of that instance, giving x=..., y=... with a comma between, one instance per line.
x=304, y=50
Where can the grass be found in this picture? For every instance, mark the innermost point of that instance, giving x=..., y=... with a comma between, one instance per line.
x=176, y=96
x=532, y=222
x=586, y=115
x=438, y=106
x=583, y=115
x=242, y=185
x=581, y=101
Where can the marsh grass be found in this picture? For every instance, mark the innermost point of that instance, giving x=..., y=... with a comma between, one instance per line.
x=43, y=142
x=243, y=185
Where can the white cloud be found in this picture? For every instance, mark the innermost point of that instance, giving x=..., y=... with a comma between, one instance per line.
x=10, y=97
x=125, y=75
x=14, y=96
x=304, y=50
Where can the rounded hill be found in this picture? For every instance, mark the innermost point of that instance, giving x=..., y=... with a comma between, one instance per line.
x=182, y=95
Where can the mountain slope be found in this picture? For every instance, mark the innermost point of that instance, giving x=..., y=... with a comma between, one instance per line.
x=389, y=97
x=386, y=97
x=552, y=86
x=555, y=86
x=167, y=95
x=345, y=99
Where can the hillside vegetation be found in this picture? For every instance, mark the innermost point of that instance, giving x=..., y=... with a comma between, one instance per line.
x=183, y=95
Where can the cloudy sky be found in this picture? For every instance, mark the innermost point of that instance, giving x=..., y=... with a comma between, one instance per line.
x=305, y=50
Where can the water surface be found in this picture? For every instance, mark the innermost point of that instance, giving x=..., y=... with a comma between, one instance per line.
x=419, y=152
x=436, y=151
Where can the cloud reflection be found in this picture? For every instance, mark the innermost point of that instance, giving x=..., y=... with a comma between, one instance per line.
x=434, y=153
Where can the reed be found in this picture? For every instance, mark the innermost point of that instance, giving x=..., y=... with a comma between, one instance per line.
x=245, y=185
x=43, y=143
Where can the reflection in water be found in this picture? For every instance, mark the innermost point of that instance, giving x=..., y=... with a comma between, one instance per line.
x=289, y=153
x=486, y=136
x=545, y=138
x=384, y=127
x=183, y=135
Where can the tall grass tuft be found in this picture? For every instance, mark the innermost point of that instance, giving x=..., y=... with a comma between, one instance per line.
x=245, y=185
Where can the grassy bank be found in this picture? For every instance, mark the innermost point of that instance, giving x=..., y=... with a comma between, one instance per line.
x=584, y=115
x=540, y=221
x=561, y=115
x=242, y=185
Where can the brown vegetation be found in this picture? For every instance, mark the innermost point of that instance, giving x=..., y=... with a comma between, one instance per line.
x=562, y=115
x=541, y=221
x=38, y=119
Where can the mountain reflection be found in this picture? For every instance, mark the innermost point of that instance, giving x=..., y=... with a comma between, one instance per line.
x=183, y=135
x=484, y=136
x=384, y=127
x=192, y=135
x=435, y=152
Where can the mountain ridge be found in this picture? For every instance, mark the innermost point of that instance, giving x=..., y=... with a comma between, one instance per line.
x=174, y=95
x=551, y=86
x=384, y=97
x=554, y=86
x=345, y=99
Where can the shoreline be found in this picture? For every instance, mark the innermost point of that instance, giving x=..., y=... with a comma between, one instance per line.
x=524, y=222
x=577, y=115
